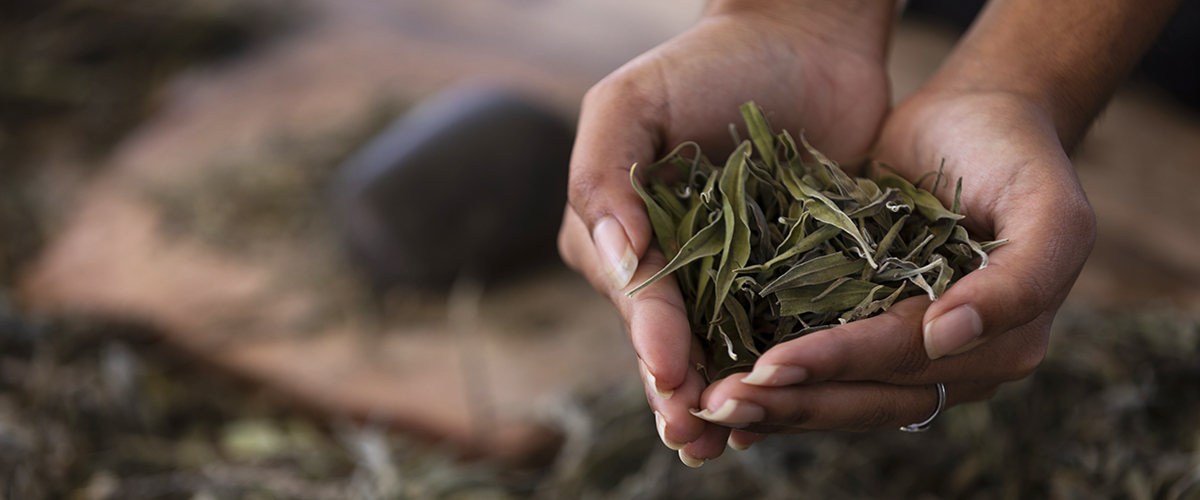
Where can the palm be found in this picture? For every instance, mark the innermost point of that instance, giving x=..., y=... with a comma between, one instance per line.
x=1005, y=157
x=837, y=95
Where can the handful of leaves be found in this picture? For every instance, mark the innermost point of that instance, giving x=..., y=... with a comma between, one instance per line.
x=771, y=246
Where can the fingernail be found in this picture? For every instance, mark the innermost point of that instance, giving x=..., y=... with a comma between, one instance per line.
x=775, y=375
x=951, y=331
x=733, y=444
x=689, y=460
x=733, y=413
x=616, y=254
x=654, y=383
x=661, y=424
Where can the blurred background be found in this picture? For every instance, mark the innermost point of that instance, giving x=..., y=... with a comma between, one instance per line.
x=181, y=318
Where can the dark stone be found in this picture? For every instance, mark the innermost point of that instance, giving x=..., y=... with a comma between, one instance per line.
x=471, y=181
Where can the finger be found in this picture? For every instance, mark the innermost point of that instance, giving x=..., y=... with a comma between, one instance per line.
x=851, y=406
x=890, y=348
x=619, y=125
x=710, y=445
x=1051, y=229
x=676, y=426
x=741, y=440
x=655, y=317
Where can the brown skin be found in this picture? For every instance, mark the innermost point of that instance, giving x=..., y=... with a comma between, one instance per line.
x=1017, y=93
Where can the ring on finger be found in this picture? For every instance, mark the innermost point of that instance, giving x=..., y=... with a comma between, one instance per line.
x=925, y=424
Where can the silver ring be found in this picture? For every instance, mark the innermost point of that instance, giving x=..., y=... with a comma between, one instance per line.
x=924, y=425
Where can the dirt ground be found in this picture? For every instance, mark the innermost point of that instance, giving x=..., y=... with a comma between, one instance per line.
x=205, y=226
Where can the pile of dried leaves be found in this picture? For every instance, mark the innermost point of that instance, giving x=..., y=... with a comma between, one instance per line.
x=771, y=247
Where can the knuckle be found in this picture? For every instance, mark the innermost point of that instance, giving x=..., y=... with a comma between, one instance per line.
x=584, y=185
x=881, y=415
x=1080, y=214
x=799, y=416
x=1033, y=295
x=911, y=363
x=659, y=300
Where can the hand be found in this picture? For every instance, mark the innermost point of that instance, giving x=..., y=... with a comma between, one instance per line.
x=818, y=64
x=990, y=327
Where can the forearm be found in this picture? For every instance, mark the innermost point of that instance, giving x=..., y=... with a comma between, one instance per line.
x=1067, y=56
x=863, y=25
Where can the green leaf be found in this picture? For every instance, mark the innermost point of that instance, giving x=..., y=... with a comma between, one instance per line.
x=821, y=235
x=687, y=225
x=819, y=270
x=926, y=202
x=885, y=245
x=667, y=199
x=945, y=274
x=844, y=183
x=988, y=246
x=905, y=270
x=941, y=234
x=660, y=220
x=828, y=213
x=706, y=243
x=674, y=155
x=742, y=322
x=760, y=133
x=960, y=235
x=736, y=249
x=860, y=310
x=848, y=295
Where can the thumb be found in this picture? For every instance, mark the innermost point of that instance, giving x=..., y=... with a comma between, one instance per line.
x=618, y=126
x=1051, y=229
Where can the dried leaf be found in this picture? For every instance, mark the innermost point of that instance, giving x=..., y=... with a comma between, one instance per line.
x=736, y=249
x=848, y=295
x=816, y=271
x=926, y=202
x=660, y=220
x=706, y=243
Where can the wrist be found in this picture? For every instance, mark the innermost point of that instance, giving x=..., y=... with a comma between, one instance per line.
x=1067, y=58
x=860, y=25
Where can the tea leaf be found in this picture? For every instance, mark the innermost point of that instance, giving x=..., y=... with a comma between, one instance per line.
x=906, y=271
x=848, y=295
x=742, y=322
x=821, y=235
x=861, y=309
x=737, y=233
x=826, y=244
x=845, y=184
x=706, y=243
x=819, y=270
x=960, y=235
x=660, y=220
x=728, y=343
x=926, y=202
x=988, y=246
x=830, y=214
x=945, y=273
x=760, y=133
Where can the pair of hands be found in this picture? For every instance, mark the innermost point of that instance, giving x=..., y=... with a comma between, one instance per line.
x=817, y=71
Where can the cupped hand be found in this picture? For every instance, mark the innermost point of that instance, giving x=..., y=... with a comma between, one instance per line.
x=814, y=65
x=990, y=327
